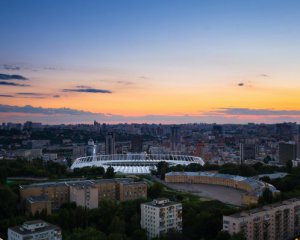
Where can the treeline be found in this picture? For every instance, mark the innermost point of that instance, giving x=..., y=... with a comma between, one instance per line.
x=49, y=169
x=228, y=168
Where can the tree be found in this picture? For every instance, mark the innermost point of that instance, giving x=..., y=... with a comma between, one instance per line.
x=267, y=197
x=162, y=168
x=88, y=233
x=117, y=225
x=289, y=166
x=110, y=172
x=155, y=190
x=8, y=202
x=139, y=234
x=116, y=236
x=3, y=175
x=222, y=235
x=238, y=236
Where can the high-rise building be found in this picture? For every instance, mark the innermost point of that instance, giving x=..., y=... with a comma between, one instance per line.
x=247, y=151
x=279, y=221
x=217, y=130
x=287, y=152
x=110, y=144
x=91, y=149
x=175, y=138
x=37, y=229
x=137, y=144
x=284, y=131
x=160, y=216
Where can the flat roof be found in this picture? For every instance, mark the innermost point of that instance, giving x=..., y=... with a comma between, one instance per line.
x=264, y=208
x=79, y=183
x=22, y=231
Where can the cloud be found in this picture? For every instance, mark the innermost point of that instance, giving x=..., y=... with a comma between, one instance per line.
x=41, y=110
x=29, y=94
x=125, y=82
x=10, y=67
x=13, y=84
x=56, y=96
x=69, y=115
x=6, y=96
x=264, y=75
x=257, y=112
x=87, y=90
x=12, y=77
x=83, y=86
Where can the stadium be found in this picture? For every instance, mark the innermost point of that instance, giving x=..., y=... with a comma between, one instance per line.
x=134, y=163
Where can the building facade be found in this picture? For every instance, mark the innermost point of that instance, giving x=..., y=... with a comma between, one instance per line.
x=161, y=216
x=37, y=230
x=279, y=221
x=86, y=193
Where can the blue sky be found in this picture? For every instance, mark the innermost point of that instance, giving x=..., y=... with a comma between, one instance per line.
x=147, y=48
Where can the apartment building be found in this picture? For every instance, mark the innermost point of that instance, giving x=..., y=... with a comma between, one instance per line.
x=37, y=230
x=86, y=193
x=279, y=221
x=161, y=216
x=34, y=204
x=131, y=190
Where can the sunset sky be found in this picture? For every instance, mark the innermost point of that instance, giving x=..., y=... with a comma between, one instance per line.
x=162, y=61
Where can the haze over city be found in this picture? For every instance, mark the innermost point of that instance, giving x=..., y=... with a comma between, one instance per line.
x=150, y=61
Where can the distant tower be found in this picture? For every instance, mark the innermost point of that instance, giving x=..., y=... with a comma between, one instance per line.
x=287, y=152
x=110, y=144
x=175, y=138
x=137, y=144
x=247, y=152
x=91, y=149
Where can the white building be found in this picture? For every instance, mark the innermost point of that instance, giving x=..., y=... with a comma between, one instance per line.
x=37, y=230
x=161, y=216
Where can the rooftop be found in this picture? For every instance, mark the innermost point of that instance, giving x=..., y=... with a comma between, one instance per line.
x=265, y=208
x=35, y=226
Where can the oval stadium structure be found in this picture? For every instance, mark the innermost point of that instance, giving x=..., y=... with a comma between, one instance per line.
x=134, y=163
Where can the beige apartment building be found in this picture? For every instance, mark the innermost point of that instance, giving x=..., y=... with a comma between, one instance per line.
x=161, y=216
x=86, y=193
x=130, y=190
x=279, y=221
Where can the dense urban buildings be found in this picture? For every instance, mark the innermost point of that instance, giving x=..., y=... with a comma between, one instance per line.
x=279, y=221
x=160, y=217
x=86, y=193
x=37, y=230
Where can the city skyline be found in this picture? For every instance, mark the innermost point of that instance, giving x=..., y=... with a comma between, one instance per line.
x=150, y=61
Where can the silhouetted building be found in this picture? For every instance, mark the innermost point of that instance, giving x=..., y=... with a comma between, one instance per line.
x=110, y=144
x=175, y=138
x=284, y=131
x=247, y=151
x=217, y=130
x=287, y=152
x=137, y=144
